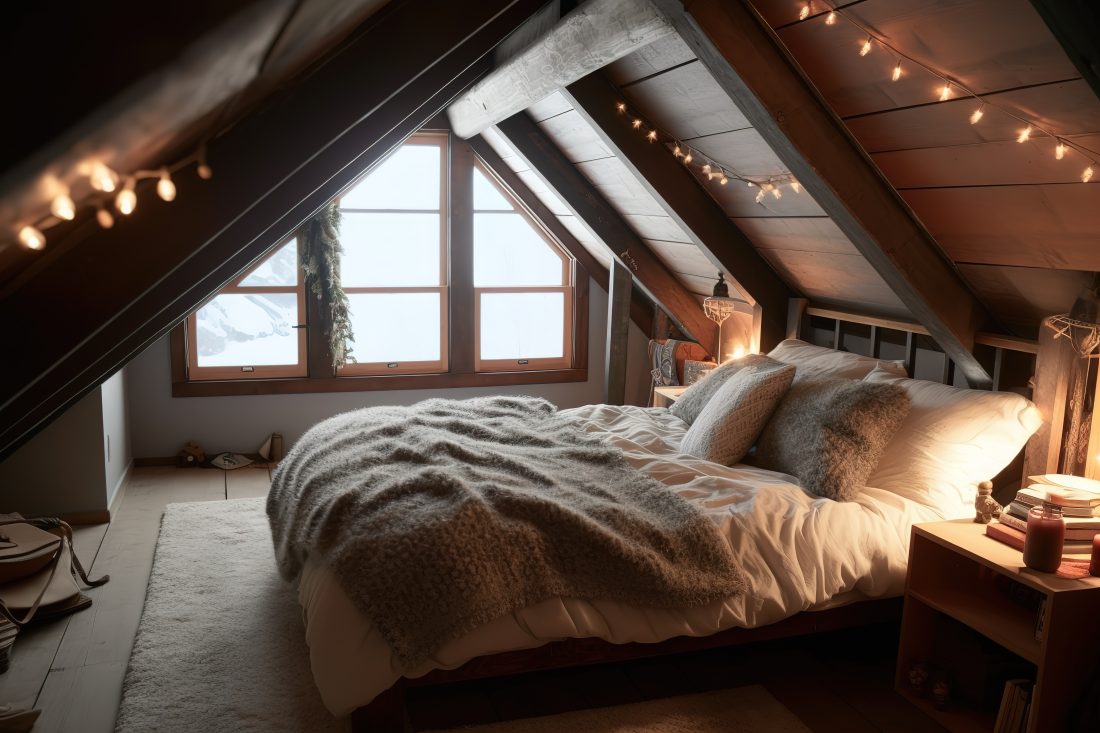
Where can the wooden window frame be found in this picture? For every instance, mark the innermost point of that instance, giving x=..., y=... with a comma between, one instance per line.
x=198, y=373
x=462, y=370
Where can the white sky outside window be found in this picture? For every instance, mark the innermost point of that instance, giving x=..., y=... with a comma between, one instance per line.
x=486, y=195
x=509, y=253
x=395, y=327
x=389, y=250
x=522, y=325
x=281, y=268
x=248, y=330
x=408, y=179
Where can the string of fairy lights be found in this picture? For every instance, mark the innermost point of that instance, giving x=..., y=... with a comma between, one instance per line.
x=948, y=89
x=107, y=191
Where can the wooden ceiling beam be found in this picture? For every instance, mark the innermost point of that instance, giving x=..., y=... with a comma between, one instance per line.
x=641, y=310
x=751, y=64
x=1076, y=26
x=110, y=294
x=589, y=205
x=682, y=197
x=592, y=36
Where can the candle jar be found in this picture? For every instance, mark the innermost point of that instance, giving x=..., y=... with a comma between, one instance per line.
x=1046, y=532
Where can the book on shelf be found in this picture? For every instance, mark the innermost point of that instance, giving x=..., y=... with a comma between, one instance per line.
x=1037, y=496
x=1078, y=529
x=1005, y=533
x=1015, y=705
x=1067, y=490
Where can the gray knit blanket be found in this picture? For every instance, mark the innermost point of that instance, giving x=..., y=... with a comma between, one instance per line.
x=440, y=517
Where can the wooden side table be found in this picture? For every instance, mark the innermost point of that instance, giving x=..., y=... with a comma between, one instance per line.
x=955, y=571
x=665, y=396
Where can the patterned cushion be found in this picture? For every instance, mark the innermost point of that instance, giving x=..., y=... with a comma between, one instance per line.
x=695, y=397
x=830, y=433
x=732, y=419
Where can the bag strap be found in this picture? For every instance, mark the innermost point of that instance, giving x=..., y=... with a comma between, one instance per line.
x=6, y=613
x=53, y=524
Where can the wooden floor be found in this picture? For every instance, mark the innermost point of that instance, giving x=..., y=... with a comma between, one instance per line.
x=72, y=669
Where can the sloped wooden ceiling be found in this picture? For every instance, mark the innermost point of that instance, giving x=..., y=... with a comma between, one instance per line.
x=1019, y=224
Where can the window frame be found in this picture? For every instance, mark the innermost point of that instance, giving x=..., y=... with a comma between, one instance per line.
x=198, y=373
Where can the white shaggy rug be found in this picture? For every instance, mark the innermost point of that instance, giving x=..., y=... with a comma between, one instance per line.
x=221, y=645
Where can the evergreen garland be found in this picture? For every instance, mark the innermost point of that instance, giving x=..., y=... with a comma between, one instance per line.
x=320, y=261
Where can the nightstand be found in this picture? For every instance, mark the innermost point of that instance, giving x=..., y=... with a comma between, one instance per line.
x=665, y=396
x=1044, y=624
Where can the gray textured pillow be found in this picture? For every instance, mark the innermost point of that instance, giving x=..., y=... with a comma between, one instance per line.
x=733, y=418
x=830, y=433
x=695, y=397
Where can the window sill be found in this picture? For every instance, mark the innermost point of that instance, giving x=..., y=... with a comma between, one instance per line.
x=373, y=383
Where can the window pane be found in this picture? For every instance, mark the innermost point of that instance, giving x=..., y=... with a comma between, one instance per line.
x=522, y=325
x=408, y=179
x=486, y=195
x=248, y=330
x=280, y=268
x=395, y=326
x=390, y=250
x=509, y=253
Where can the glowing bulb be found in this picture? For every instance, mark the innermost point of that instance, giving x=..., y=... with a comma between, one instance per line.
x=723, y=180
x=706, y=168
x=759, y=195
x=1087, y=175
x=204, y=171
x=651, y=136
x=621, y=106
x=750, y=184
x=945, y=91
x=103, y=178
x=830, y=19
x=32, y=238
x=688, y=158
x=104, y=218
x=777, y=193
x=126, y=200
x=866, y=47
x=636, y=124
x=710, y=176
x=804, y=12
x=1025, y=135
x=897, y=72
x=1060, y=150
x=796, y=186
x=976, y=115
x=165, y=188
x=677, y=152
x=63, y=207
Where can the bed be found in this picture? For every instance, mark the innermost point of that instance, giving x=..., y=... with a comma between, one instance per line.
x=811, y=562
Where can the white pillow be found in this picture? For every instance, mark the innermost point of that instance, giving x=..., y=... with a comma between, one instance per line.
x=818, y=361
x=952, y=440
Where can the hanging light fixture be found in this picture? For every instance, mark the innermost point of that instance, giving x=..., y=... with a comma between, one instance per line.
x=1082, y=324
x=718, y=307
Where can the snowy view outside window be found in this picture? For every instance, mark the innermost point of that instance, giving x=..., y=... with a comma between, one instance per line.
x=253, y=329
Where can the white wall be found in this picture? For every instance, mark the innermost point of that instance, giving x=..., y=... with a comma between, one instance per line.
x=60, y=470
x=161, y=424
x=117, y=454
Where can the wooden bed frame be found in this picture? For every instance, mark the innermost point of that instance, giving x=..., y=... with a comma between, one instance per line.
x=386, y=714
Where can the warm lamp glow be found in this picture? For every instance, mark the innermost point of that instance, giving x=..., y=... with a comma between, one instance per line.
x=897, y=73
x=738, y=351
x=636, y=124
x=103, y=178
x=1087, y=175
x=651, y=136
x=126, y=201
x=165, y=188
x=205, y=172
x=945, y=91
x=804, y=12
x=976, y=115
x=32, y=238
x=1059, y=151
x=830, y=19
x=63, y=207
x=866, y=47
x=621, y=106
x=1025, y=135
x=796, y=186
x=104, y=218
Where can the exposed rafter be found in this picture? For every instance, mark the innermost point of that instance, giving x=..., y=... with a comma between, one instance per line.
x=589, y=38
x=1076, y=25
x=684, y=200
x=273, y=170
x=750, y=63
x=588, y=204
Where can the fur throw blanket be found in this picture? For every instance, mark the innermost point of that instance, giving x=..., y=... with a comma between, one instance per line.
x=440, y=517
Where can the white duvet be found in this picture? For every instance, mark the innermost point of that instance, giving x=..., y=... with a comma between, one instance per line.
x=799, y=552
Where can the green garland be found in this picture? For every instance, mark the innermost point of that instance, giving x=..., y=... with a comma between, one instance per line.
x=320, y=261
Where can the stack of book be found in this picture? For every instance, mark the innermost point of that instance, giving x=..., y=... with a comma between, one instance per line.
x=1015, y=706
x=1078, y=498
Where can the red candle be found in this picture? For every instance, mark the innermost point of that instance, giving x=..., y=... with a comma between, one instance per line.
x=1046, y=532
x=1094, y=566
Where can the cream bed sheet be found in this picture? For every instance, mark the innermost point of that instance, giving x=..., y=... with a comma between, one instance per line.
x=798, y=551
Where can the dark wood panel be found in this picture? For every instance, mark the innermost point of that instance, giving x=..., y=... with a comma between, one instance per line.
x=1068, y=108
x=1022, y=296
x=1028, y=226
x=620, y=283
x=837, y=279
x=686, y=102
x=575, y=138
x=989, y=164
x=1076, y=25
x=986, y=44
x=649, y=60
x=615, y=181
x=805, y=235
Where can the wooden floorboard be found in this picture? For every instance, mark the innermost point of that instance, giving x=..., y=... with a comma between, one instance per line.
x=247, y=482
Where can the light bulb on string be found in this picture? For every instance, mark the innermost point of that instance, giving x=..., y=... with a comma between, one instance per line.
x=723, y=180
x=830, y=19
x=1087, y=175
x=804, y=12
x=1025, y=135
x=866, y=47
x=1059, y=150
x=897, y=72
x=759, y=195
x=165, y=188
x=796, y=186
x=621, y=106
x=688, y=158
x=977, y=114
x=204, y=171
x=32, y=238
x=706, y=168
x=63, y=207
x=777, y=193
x=636, y=124
x=104, y=218
x=945, y=91
x=677, y=152
x=103, y=178
x=750, y=184
x=126, y=200
x=651, y=136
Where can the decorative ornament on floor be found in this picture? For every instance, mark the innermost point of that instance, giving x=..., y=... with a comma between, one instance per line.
x=1082, y=324
x=718, y=307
